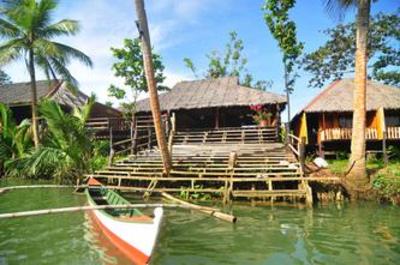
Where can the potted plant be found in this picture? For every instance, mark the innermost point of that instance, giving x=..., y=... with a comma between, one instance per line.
x=261, y=117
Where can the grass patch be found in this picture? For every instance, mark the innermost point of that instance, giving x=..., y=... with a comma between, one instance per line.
x=385, y=180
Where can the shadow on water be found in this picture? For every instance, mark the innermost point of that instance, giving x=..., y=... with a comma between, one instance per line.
x=361, y=233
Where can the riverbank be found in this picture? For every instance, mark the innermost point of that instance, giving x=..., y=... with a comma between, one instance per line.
x=384, y=180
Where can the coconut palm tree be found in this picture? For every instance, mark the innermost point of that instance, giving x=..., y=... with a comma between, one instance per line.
x=28, y=31
x=357, y=175
x=152, y=86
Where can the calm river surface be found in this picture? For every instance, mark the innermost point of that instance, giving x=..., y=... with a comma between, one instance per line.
x=363, y=233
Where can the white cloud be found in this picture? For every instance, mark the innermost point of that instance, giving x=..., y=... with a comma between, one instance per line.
x=106, y=23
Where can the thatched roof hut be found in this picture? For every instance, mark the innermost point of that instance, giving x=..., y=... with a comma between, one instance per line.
x=338, y=97
x=327, y=119
x=214, y=102
x=18, y=97
x=210, y=93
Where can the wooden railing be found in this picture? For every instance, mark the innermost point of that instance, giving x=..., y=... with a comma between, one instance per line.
x=231, y=135
x=104, y=124
x=344, y=134
x=142, y=136
x=393, y=132
x=298, y=147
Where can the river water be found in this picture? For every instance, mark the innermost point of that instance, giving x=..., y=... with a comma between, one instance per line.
x=362, y=233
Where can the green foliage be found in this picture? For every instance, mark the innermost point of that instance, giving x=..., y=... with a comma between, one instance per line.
x=187, y=195
x=336, y=57
x=276, y=16
x=229, y=63
x=4, y=78
x=67, y=151
x=25, y=26
x=387, y=181
x=130, y=67
x=15, y=140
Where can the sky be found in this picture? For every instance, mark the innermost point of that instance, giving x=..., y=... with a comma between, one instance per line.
x=190, y=28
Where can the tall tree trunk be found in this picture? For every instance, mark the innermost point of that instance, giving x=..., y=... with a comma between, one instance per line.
x=152, y=86
x=358, y=175
x=34, y=99
x=287, y=95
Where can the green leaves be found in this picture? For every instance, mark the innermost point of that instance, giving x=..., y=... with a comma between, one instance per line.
x=26, y=25
x=276, y=16
x=130, y=68
x=335, y=58
x=231, y=62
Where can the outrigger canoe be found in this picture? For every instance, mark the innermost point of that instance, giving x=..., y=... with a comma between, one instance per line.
x=132, y=232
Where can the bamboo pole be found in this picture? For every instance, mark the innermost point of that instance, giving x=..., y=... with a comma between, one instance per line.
x=4, y=189
x=207, y=210
x=89, y=208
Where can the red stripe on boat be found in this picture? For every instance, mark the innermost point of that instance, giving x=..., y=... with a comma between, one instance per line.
x=94, y=182
x=129, y=251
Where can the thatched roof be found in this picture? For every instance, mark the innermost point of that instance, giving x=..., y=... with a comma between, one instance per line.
x=19, y=94
x=338, y=97
x=221, y=92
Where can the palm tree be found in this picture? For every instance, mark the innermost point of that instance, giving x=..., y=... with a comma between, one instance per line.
x=358, y=175
x=152, y=86
x=28, y=31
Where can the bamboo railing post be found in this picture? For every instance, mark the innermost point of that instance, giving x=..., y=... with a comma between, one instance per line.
x=149, y=140
x=111, y=156
x=287, y=129
x=384, y=149
x=133, y=134
x=302, y=152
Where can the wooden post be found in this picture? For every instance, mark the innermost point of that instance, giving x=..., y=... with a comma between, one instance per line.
x=278, y=120
x=133, y=135
x=302, y=152
x=384, y=149
x=149, y=136
x=152, y=85
x=111, y=156
x=217, y=118
x=287, y=128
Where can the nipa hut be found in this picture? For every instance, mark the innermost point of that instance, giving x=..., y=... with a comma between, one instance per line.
x=215, y=103
x=326, y=122
x=18, y=97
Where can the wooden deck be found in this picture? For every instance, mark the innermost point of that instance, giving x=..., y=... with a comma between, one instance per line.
x=231, y=163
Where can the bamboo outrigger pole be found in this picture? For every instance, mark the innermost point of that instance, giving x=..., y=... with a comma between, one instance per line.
x=207, y=210
x=152, y=85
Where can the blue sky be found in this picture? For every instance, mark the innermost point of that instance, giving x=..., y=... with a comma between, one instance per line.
x=190, y=28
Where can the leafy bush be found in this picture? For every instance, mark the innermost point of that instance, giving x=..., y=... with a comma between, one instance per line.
x=67, y=150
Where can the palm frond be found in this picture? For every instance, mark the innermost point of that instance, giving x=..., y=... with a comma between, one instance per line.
x=83, y=113
x=8, y=29
x=11, y=50
x=338, y=8
x=70, y=52
x=64, y=27
x=58, y=65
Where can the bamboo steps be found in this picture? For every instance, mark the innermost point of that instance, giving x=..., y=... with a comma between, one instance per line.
x=262, y=167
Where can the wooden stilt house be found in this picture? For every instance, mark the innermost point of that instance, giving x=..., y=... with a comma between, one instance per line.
x=18, y=97
x=215, y=103
x=326, y=122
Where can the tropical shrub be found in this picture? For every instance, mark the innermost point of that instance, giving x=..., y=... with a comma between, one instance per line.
x=15, y=140
x=67, y=150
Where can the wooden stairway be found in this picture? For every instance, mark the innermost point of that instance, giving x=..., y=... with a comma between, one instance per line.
x=234, y=163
